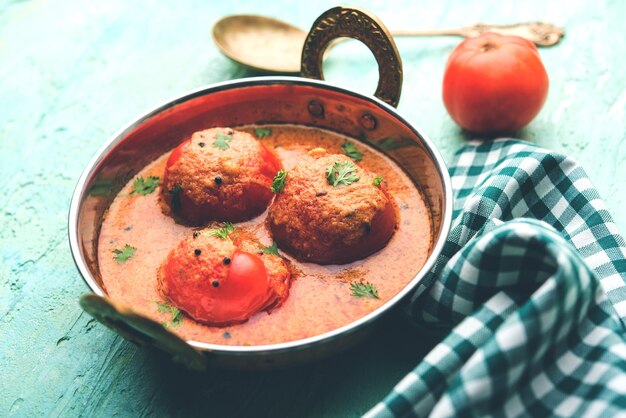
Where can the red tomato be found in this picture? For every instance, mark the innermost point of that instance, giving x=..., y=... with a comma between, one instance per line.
x=175, y=155
x=494, y=83
x=245, y=292
x=268, y=164
x=382, y=228
x=246, y=194
x=200, y=287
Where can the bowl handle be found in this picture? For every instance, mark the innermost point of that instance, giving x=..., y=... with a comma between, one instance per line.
x=353, y=22
x=141, y=330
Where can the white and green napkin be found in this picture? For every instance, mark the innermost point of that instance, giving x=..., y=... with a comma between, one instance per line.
x=532, y=283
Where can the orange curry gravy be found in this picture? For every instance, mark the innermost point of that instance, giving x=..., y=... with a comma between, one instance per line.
x=320, y=298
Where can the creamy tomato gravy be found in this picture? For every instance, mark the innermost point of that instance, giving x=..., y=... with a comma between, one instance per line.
x=320, y=299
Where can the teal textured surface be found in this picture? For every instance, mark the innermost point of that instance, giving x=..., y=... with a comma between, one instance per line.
x=72, y=73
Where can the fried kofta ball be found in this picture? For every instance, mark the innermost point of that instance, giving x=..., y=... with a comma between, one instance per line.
x=331, y=211
x=220, y=280
x=219, y=174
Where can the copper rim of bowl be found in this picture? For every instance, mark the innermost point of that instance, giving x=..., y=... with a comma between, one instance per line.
x=92, y=167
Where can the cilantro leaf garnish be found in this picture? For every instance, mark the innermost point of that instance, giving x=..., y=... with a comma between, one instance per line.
x=145, y=186
x=272, y=249
x=163, y=307
x=262, y=132
x=278, y=184
x=121, y=256
x=222, y=141
x=177, y=315
x=350, y=150
x=364, y=290
x=223, y=232
x=377, y=181
x=341, y=173
x=175, y=193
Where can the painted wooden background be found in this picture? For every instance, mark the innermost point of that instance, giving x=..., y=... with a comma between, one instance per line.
x=73, y=72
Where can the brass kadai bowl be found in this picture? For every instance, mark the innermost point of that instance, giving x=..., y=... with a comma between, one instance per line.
x=294, y=100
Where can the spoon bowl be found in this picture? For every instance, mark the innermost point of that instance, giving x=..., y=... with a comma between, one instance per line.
x=260, y=42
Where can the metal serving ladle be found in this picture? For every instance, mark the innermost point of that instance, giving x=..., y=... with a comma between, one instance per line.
x=274, y=46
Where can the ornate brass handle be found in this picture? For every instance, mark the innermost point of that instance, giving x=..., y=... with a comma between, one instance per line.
x=355, y=23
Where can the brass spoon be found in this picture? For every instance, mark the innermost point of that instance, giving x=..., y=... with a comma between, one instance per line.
x=274, y=46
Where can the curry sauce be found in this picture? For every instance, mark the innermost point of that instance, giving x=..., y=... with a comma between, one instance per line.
x=320, y=298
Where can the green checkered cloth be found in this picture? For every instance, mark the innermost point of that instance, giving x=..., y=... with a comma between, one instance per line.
x=532, y=281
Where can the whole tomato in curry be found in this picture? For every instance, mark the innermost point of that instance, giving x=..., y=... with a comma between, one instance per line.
x=219, y=174
x=222, y=278
x=494, y=83
x=324, y=219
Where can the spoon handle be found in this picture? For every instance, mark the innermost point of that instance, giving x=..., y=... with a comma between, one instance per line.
x=540, y=33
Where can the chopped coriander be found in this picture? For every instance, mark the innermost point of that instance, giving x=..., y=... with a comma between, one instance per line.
x=175, y=193
x=278, y=184
x=272, y=249
x=262, y=132
x=222, y=141
x=364, y=290
x=377, y=181
x=121, y=256
x=145, y=186
x=177, y=315
x=163, y=307
x=350, y=150
x=223, y=232
x=341, y=173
